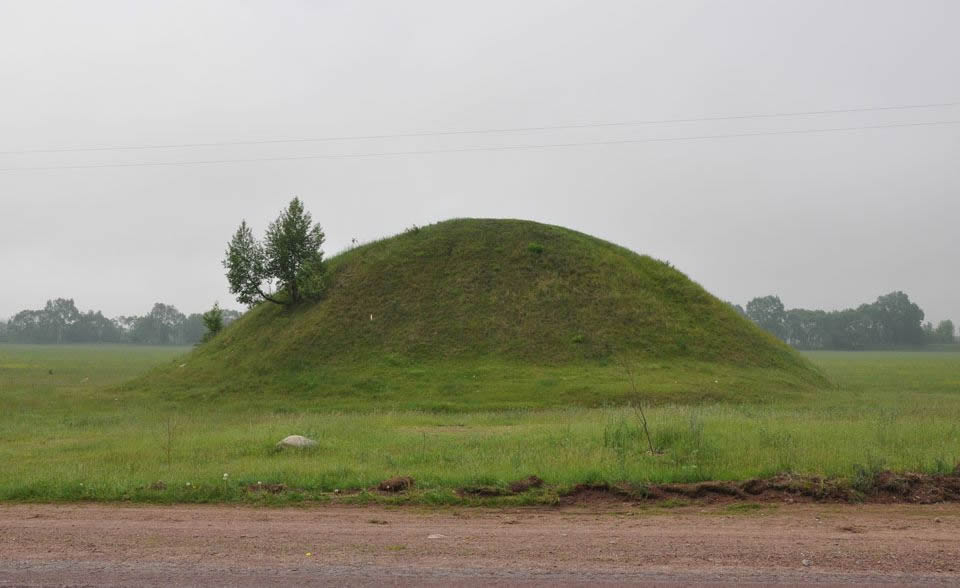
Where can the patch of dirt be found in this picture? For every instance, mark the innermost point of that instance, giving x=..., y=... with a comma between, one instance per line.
x=582, y=494
x=269, y=488
x=525, y=484
x=483, y=491
x=396, y=484
x=850, y=529
x=884, y=487
x=701, y=490
x=515, y=487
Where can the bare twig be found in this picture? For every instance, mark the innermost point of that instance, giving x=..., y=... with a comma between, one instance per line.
x=169, y=440
x=636, y=403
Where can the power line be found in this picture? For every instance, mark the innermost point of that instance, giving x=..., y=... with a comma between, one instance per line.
x=489, y=148
x=475, y=131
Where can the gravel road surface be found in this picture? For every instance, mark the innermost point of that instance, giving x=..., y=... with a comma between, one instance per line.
x=571, y=546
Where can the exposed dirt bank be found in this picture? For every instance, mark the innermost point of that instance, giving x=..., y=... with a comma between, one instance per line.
x=883, y=487
x=572, y=545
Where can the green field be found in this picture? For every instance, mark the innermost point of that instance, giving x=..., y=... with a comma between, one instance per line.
x=70, y=430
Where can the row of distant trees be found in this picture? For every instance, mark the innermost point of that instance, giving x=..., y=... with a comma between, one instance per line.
x=892, y=321
x=59, y=321
x=285, y=268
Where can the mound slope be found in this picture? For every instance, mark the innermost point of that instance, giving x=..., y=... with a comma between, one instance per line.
x=482, y=292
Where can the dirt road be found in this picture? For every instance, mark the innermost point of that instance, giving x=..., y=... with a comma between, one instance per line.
x=611, y=544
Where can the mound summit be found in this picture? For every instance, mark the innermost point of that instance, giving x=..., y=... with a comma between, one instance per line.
x=516, y=301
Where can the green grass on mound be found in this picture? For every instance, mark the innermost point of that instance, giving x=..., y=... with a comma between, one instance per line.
x=465, y=385
x=490, y=314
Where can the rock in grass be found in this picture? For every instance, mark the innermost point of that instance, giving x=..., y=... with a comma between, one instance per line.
x=296, y=441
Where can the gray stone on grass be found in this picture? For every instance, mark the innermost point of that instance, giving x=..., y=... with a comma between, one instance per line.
x=296, y=441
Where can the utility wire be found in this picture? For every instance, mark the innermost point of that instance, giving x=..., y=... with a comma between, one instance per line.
x=475, y=131
x=488, y=148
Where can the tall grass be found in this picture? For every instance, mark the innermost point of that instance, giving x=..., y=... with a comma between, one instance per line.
x=66, y=438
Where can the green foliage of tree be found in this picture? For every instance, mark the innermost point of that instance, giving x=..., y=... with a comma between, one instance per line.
x=738, y=308
x=290, y=258
x=58, y=316
x=944, y=332
x=768, y=312
x=59, y=321
x=292, y=246
x=213, y=321
x=893, y=320
x=245, y=263
x=94, y=327
x=806, y=329
x=898, y=319
x=163, y=325
x=193, y=329
x=230, y=315
x=27, y=327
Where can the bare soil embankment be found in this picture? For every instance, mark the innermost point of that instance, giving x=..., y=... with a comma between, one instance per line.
x=880, y=488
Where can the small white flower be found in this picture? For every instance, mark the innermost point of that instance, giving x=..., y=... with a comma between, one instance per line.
x=188, y=483
x=225, y=476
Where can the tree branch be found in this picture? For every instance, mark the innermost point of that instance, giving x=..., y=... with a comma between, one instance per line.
x=273, y=300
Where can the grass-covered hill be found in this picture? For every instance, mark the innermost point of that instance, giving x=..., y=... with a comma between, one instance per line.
x=491, y=313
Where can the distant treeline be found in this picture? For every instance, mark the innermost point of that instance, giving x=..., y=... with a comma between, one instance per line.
x=893, y=321
x=61, y=322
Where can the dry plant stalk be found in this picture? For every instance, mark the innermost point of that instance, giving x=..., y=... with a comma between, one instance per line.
x=636, y=404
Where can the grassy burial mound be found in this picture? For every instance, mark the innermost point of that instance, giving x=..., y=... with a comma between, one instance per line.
x=481, y=313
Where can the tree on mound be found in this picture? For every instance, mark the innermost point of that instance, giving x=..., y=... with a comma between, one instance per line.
x=288, y=260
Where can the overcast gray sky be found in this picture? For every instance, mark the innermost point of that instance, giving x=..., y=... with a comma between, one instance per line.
x=825, y=220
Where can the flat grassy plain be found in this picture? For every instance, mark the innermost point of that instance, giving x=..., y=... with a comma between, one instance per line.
x=70, y=430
